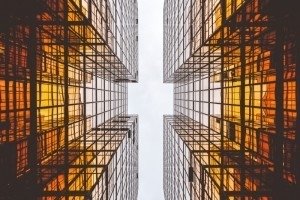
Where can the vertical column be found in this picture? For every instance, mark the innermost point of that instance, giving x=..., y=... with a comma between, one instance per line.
x=242, y=98
x=223, y=16
x=277, y=62
x=32, y=65
x=297, y=54
x=85, y=107
x=66, y=95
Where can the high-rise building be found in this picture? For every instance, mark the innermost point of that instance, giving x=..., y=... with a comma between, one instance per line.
x=65, y=131
x=235, y=132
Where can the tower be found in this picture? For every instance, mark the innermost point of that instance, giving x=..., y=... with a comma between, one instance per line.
x=65, y=66
x=234, y=132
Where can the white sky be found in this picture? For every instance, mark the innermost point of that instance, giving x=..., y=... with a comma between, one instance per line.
x=150, y=99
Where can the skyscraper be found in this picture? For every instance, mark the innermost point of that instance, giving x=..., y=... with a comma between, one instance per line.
x=65, y=132
x=234, y=133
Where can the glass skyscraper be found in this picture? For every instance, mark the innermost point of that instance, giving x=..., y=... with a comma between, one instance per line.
x=65, y=131
x=234, y=133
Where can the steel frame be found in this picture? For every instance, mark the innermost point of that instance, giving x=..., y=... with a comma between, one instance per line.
x=65, y=66
x=233, y=64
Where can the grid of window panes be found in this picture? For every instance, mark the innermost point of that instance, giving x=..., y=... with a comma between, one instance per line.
x=106, y=169
x=239, y=89
x=64, y=71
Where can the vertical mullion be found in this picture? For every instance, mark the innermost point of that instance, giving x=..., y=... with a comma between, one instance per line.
x=32, y=65
x=66, y=100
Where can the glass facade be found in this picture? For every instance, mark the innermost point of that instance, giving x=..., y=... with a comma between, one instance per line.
x=65, y=132
x=234, y=133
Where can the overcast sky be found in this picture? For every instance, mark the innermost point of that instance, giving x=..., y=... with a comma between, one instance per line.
x=150, y=99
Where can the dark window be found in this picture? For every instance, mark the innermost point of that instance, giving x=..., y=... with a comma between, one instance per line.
x=231, y=131
x=191, y=174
